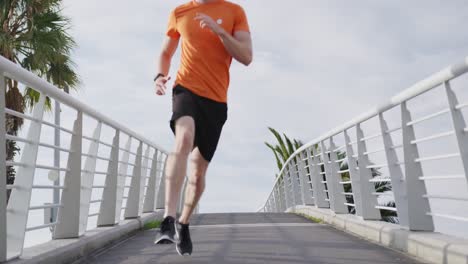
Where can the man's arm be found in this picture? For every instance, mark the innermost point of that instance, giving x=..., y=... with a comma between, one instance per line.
x=164, y=63
x=239, y=46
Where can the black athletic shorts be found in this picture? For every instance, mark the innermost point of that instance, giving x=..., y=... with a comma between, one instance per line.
x=209, y=117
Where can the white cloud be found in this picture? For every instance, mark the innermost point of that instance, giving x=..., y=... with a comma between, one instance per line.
x=311, y=57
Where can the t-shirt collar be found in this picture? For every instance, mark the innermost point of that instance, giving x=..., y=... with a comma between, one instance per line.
x=198, y=3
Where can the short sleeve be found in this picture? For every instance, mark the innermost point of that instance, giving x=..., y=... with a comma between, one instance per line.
x=240, y=22
x=172, y=26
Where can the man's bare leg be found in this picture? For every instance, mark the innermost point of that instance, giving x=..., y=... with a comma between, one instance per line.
x=176, y=166
x=196, y=185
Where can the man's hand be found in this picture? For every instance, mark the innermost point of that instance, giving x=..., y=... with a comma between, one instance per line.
x=161, y=85
x=207, y=22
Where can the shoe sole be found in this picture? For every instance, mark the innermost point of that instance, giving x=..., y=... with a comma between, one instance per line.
x=164, y=240
x=180, y=253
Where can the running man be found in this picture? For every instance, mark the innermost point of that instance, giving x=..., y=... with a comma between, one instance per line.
x=212, y=32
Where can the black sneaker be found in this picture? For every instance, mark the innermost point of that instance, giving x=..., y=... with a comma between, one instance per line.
x=167, y=231
x=184, y=245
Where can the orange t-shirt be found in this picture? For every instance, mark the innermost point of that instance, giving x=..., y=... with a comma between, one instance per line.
x=205, y=63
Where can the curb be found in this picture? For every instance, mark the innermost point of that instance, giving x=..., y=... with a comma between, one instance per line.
x=431, y=247
x=71, y=250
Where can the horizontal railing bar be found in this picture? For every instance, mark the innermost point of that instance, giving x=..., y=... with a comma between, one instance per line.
x=380, y=180
x=442, y=177
x=48, y=187
x=417, y=121
x=95, y=201
x=58, y=127
x=377, y=166
x=347, y=193
x=52, y=168
x=45, y=206
x=93, y=215
x=322, y=173
x=341, y=160
x=128, y=151
x=436, y=136
x=127, y=163
x=324, y=181
x=96, y=157
x=345, y=182
x=464, y=219
x=350, y=204
x=439, y=157
x=396, y=146
x=41, y=226
x=146, y=157
x=352, y=143
x=386, y=208
x=15, y=138
x=393, y=130
x=339, y=148
x=21, y=115
x=383, y=193
x=461, y=105
x=371, y=137
x=446, y=197
x=10, y=186
x=374, y=151
x=98, y=141
x=342, y=171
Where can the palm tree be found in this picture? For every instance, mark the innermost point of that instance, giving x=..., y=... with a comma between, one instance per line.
x=284, y=148
x=34, y=34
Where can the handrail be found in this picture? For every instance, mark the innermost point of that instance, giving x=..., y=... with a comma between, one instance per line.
x=418, y=88
x=144, y=193
x=15, y=71
x=308, y=173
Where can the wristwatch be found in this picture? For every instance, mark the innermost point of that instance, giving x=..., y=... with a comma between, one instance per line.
x=157, y=76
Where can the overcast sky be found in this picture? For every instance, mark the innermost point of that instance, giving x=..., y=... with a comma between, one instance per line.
x=316, y=65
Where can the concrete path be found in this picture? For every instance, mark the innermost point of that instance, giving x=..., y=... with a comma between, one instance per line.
x=253, y=238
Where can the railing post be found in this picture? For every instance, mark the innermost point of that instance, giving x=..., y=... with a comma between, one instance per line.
x=306, y=195
x=122, y=177
x=161, y=194
x=317, y=186
x=88, y=178
x=20, y=198
x=353, y=174
x=459, y=126
x=150, y=197
x=131, y=211
x=108, y=211
x=3, y=190
x=68, y=218
x=293, y=177
x=396, y=175
x=336, y=191
x=418, y=205
x=287, y=201
x=143, y=180
x=367, y=188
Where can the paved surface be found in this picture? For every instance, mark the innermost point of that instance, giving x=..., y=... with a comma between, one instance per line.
x=253, y=238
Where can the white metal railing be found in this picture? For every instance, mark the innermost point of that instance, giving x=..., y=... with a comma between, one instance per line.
x=313, y=174
x=143, y=193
